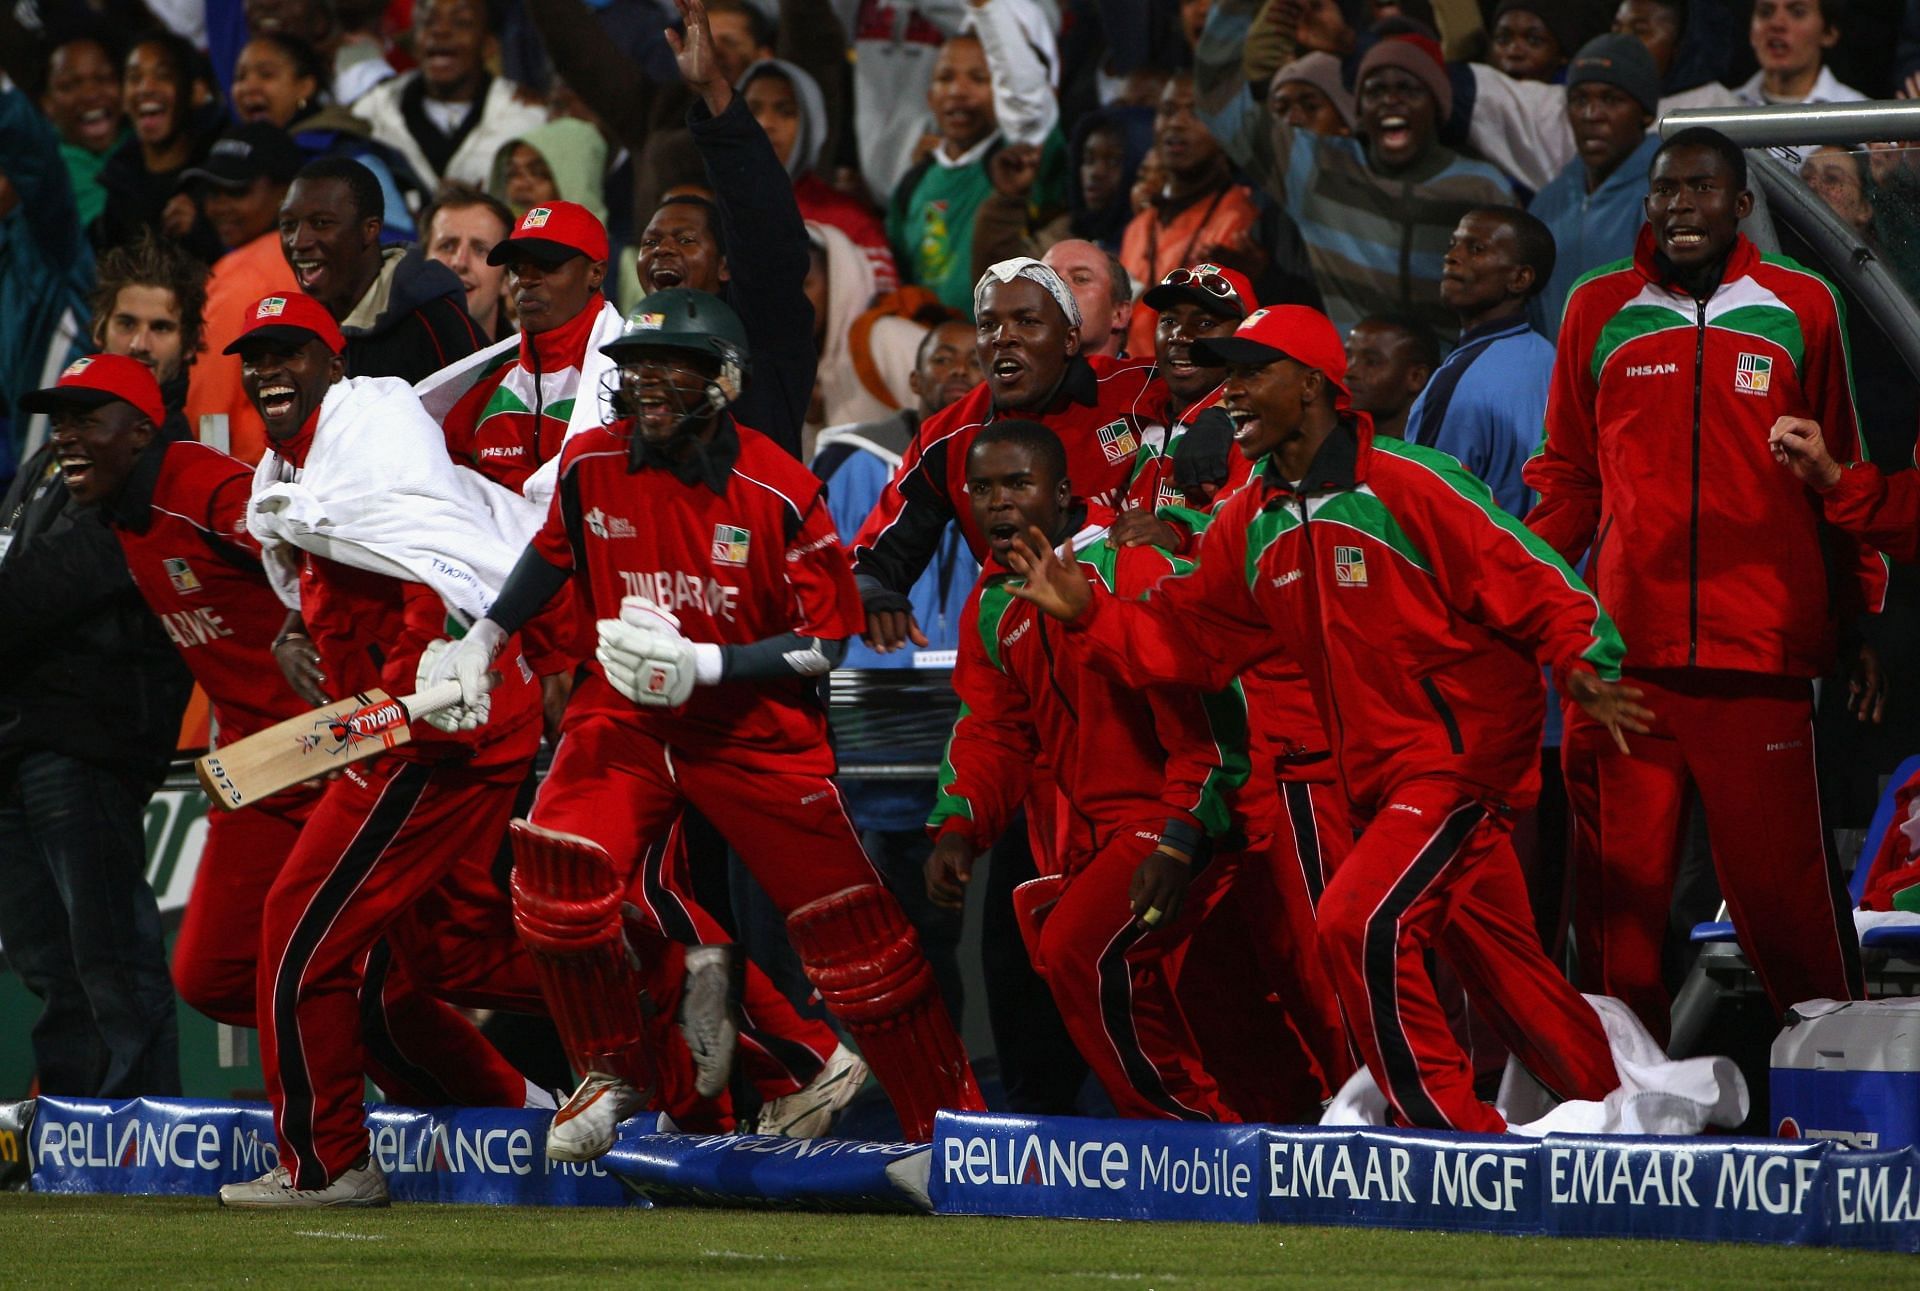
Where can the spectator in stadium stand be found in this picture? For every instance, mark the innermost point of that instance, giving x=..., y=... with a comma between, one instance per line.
x=1102, y=288
x=558, y=161
x=1730, y=591
x=46, y=266
x=856, y=462
x=1103, y=156
x=895, y=53
x=1202, y=213
x=168, y=96
x=1790, y=39
x=861, y=377
x=1308, y=94
x=82, y=99
x=149, y=304
x=747, y=245
x=462, y=226
x=1375, y=210
x=1593, y=207
x=786, y=101
x=241, y=186
x=1839, y=175
x=1388, y=362
x=449, y=116
x=403, y=315
x=1533, y=39
x=990, y=93
x=281, y=79
x=89, y=710
x=345, y=34
x=1487, y=400
x=1488, y=611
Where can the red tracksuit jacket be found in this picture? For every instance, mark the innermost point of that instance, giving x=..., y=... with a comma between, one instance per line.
x=1707, y=553
x=1105, y=411
x=751, y=555
x=1415, y=605
x=1122, y=760
x=182, y=522
x=1882, y=511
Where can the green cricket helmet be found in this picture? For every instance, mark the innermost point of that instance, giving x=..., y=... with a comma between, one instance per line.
x=681, y=318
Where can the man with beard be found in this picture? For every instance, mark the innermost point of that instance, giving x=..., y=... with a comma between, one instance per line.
x=722, y=595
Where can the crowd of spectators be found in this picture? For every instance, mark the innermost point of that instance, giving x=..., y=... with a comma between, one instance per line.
x=1436, y=176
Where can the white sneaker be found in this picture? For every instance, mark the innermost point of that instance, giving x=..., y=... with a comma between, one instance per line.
x=585, y=1127
x=359, y=1186
x=706, y=1017
x=810, y=1112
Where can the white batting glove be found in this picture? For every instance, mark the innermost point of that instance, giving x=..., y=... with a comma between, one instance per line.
x=653, y=669
x=639, y=612
x=468, y=661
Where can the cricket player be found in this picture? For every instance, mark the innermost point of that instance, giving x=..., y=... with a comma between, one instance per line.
x=1730, y=590
x=367, y=525
x=1417, y=608
x=723, y=595
x=1155, y=815
x=178, y=510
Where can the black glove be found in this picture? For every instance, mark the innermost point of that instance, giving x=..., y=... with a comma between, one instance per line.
x=1200, y=455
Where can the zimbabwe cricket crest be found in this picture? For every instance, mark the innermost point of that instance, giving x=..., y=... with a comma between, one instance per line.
x=730, y=544
x=181, y=575
x=1349, y=567
x=1753, y=374
x=1118, y=441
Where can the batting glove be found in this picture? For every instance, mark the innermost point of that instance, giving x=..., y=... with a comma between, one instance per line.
x=654, y=669
x=639, y=612
x=468, y=661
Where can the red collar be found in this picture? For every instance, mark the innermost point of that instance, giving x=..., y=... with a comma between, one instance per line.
x=1741, y=260
x=295, y=450
x=564, y=346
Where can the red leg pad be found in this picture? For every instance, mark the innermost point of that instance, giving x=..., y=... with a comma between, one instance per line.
x=566, y=907
x=1033, y=901
x=864, y=958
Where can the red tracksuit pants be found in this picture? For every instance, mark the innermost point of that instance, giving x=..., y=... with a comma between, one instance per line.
x=780, y=1050
x=1746, y=741
x=383, y=838
x=420, y=1051
x=1115, y=982
x=1435, y=869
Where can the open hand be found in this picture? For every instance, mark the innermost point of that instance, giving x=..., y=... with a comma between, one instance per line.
x=949, y=870
x=1057, y=587
x=693, y=51
x=888, y=630
x=1612, y=704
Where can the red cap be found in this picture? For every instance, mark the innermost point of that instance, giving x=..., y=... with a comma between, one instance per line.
x=1220, y=291
x=552, y=234
x=1282, y=332
x=289, y=316
x=98, y=379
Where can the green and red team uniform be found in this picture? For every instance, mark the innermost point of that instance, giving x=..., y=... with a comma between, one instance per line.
x=1129, y=774
x=507, y=426
x=1313, y=829
x=182, y=523
x=743, y=555
x=1728, y=589
x=1413, y=603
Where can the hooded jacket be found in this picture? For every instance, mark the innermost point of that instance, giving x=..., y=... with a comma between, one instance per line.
x=1419, y=610
x=890, y=349
x=411, y=322
x=1708, y=554
x=576, y=155
x=497, y=117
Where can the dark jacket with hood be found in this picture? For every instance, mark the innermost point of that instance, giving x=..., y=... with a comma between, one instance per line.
x=136, y=196
x=412, y=322
x=85, y=669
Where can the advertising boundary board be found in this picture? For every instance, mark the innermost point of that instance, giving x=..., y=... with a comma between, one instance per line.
x=1772, y=1191
x=767, y=1173
x=493, y=1156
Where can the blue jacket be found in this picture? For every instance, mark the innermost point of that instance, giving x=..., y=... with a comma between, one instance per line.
x=1486, y=404
x=46, y=268
x=856, y=462
x=1589, y=229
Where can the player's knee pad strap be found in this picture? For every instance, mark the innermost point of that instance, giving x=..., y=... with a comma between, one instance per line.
x=864, y=958
x=566, y=907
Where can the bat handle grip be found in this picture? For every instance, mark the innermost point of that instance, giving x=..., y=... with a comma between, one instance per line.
x=432, y=699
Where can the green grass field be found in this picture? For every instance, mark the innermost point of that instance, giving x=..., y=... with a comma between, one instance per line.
x=49, y=1241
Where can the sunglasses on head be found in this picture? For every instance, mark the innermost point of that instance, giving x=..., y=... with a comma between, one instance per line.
x=1211, y=283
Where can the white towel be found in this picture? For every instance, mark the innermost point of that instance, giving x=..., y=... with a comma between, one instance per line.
x=439, y=392
x=378, y=492
x=1656, y=1095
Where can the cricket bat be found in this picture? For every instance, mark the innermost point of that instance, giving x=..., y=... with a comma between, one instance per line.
x=313, y=744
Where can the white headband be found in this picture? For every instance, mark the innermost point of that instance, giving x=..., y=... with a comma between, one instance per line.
x=1034, y=271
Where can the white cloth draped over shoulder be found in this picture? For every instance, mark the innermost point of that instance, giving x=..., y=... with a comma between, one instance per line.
x=378, y=492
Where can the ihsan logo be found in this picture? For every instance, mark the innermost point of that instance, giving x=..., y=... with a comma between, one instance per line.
x=1652, y=369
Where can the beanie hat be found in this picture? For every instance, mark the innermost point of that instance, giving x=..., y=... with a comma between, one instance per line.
x=1622, y=62
x=1321, y=71
x=1417, y=56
